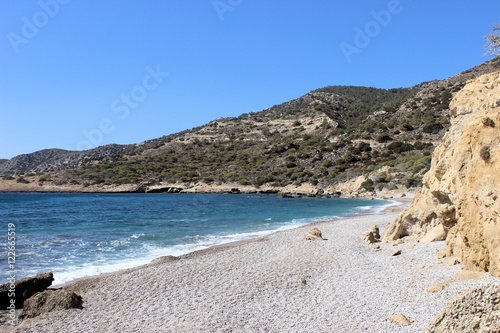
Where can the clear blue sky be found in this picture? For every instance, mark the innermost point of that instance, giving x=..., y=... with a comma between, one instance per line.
x=79, y=73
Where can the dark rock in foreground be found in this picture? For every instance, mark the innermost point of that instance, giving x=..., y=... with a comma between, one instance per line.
x=23, y=289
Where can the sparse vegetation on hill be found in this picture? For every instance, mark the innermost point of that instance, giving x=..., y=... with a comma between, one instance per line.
x=326, y=137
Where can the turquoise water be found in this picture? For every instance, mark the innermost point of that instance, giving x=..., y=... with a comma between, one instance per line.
x=75, y=235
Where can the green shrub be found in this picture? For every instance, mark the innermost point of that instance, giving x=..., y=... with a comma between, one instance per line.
x=422, y=145
x=399, y=147
x=407, y=127
x=22, y=180
x=368, y=185
x=413, y=182
x=208, y=180
x=384, y=137
x=384, y=178
x=432, y=128
x=44, y=178
x=364, y=146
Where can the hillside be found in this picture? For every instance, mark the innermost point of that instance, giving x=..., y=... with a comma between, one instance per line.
x=371, y=138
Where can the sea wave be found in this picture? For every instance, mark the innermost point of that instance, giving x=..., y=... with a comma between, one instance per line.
x=110, y=247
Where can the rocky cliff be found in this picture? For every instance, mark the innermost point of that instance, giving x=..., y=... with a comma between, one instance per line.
x=461, y=191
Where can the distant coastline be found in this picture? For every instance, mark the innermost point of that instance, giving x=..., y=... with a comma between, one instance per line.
x=346, y=190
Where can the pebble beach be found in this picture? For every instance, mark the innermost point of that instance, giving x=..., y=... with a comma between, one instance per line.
x=276, y=283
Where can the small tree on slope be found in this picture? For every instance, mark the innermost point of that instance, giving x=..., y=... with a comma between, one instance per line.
x=493, y=41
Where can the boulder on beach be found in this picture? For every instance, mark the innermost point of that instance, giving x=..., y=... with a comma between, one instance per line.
x=24, y=289
x=438, y=233
x=314, y=234
x=50, y=300
x=163, y=259
x=371, y=235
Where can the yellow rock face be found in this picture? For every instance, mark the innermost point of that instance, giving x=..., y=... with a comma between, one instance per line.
x=481, y=93
x=461, y=191
x=476, y=236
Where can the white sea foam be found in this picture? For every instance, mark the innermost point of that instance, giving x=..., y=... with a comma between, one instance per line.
x=130, y=259
x=75, y=272
x=199, y=242
x=376, y=209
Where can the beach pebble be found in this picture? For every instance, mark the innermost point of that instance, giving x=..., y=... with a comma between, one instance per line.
x=400, y=319
x=435, y=289
x=396, y=253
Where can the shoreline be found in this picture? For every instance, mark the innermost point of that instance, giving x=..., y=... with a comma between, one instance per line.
x=254, y=286
x=343, y=190
x=400, y=205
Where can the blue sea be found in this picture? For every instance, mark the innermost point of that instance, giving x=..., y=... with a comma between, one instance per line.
x=77, y=235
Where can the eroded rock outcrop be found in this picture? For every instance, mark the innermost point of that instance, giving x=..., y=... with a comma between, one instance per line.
x=461, y=191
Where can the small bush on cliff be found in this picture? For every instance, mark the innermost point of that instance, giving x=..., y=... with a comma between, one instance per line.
x=432, y=128
x=413, y=182
x=44, y=178
x=399, y=147
x=493, y=41
x=384, y=137
x=368, y=185
x=22, y=180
